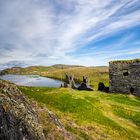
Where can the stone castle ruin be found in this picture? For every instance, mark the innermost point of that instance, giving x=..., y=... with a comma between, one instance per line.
x=125, y=76
x=69, y=82
x=84, y=85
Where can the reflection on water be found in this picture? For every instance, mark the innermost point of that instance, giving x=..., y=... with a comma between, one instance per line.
x=31, y=80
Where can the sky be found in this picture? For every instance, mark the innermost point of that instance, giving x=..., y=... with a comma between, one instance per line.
x=81, y=32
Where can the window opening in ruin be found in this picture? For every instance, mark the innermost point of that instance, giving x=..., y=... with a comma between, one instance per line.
x=125, y=73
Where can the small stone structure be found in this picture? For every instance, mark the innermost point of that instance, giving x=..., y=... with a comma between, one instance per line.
x=125, y=76
x=84, y=85
x=69, y=82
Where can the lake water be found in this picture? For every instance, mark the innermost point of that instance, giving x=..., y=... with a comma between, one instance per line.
x=31, y=80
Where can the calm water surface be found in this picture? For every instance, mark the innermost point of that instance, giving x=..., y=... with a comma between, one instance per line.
x=31, y=80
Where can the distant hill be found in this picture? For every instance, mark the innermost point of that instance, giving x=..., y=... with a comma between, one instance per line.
x=26, y=70
x=43, y=70
x=36, y=69
x=98, y=66
x=13, y=64
x=63, y=66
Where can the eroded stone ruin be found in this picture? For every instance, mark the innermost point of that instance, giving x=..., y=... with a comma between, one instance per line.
x=125, y=76
x=102, y=87
x=69, y=82
x=84, y=85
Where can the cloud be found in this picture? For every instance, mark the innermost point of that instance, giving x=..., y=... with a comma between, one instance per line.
x=13, y=64
x=51, y=31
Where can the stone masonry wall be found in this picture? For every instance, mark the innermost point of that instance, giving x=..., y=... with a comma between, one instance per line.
x=123, y=76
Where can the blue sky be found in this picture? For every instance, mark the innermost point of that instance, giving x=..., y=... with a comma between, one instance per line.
x=83, y=32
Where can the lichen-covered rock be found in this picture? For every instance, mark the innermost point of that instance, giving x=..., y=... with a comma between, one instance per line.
x=18, y=120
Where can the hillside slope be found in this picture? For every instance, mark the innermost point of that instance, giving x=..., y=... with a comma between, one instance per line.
x=92, y=115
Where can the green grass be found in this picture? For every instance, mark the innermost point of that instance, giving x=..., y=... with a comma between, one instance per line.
x=93, y=114
x=95, y=75
x=128, y=114
x=125, y=61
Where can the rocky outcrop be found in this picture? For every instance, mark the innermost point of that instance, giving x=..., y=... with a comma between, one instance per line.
x=18, y=120
x=21, y=119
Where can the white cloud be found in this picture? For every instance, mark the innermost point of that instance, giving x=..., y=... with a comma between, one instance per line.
x=47, y=32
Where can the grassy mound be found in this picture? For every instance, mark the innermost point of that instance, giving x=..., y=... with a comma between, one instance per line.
x=92, y=115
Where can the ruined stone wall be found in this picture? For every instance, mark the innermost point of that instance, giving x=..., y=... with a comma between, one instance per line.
x=123, y=76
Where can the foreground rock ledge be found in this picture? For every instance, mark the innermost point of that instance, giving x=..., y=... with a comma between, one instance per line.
x=18, y=120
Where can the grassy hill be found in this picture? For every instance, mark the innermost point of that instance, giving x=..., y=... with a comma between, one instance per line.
x=62, y=66
x=92, y=115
